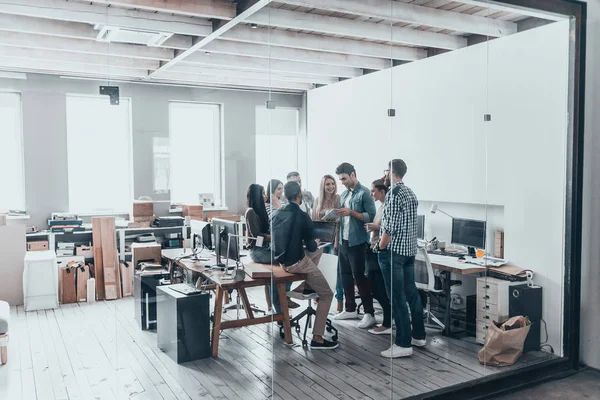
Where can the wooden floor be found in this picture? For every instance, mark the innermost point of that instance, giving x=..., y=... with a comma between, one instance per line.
x=82, y=351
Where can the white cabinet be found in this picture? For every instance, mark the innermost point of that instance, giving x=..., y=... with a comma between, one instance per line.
x=40, y=280
x=492, y=303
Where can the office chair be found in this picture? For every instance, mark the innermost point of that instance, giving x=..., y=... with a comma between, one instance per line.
x=425, y=281
x=309, y=312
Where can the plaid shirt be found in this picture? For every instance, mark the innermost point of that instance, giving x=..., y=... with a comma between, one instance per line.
x=400, y=219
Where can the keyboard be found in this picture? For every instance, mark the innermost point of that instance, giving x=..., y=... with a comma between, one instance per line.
x=444, y=253
x=184, y=288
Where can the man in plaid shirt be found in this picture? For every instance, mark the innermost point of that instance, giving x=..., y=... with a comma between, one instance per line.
x=396, y=253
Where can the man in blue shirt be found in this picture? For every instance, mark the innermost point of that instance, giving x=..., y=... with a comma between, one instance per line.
x=358, y=209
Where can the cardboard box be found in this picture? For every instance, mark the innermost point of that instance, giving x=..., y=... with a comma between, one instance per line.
x=38, y=245
x=143, y=209
x=83, y=274
x=67, y=272
x=145, y=252
x=192, y=211
x=226, y=216
x=84, y=251
x=139, y=224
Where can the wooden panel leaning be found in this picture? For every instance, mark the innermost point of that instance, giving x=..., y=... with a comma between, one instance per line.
x=98, y=265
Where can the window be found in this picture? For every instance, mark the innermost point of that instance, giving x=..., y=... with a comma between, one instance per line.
x=195, y=140
x=276, y=143
x=12, y=181
x=160, y=152
x=99, y=154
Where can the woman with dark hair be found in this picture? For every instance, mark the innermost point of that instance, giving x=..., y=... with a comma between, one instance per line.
x=378, y=191
x=257, y=223
x=274, y=195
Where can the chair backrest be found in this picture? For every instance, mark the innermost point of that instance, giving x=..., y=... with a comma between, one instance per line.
x=424, y=277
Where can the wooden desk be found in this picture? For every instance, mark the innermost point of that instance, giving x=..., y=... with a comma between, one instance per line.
x=256, y=275
x=452, y=264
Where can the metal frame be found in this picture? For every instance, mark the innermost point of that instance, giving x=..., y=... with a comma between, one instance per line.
x=510, y=381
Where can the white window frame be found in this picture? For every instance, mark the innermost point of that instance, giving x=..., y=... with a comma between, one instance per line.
x=20, y=149
x=219, y=151
x=129, y=168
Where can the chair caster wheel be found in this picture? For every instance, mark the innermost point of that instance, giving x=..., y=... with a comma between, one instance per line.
x=282, y=335
x=329, y=329
x=304, y=343
x=334, y=338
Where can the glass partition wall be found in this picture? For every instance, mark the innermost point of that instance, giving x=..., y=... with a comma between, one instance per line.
x=398, y=179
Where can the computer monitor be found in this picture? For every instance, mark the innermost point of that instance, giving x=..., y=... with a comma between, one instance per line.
x=468, y=232
x=421, y=226
x=325, y=231
x=201, y=235
x=222, y=229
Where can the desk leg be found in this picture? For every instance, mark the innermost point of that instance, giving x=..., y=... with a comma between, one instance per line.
x=217, y=322
x=448, y=293
x=287, y=328
x=247, y=307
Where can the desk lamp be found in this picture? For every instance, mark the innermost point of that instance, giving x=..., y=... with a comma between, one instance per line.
x=434, y=208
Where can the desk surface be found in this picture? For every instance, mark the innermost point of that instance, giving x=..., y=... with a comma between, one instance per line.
x=453, y=264
x=256, y=274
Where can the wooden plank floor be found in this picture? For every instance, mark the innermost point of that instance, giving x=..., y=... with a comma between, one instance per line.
x=97, y=351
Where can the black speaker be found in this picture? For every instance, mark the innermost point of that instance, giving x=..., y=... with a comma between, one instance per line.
x=527, y=301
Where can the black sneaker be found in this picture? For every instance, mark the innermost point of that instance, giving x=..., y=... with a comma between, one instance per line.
x=326, y=345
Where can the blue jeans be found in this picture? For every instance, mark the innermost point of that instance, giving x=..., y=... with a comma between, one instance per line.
x=339, y=286
x=399, y=277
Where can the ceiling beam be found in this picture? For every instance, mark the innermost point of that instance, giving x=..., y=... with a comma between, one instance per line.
x=84, y=46
x=98, y=14
x=413, y=14
x=219, y=9
x=174, y=77
x=66, y=67
x=68, y=57
x=261, y=64
x=296, y=55
x=260, y=75
x=243, y=14
x=494, y=5
x=360, y=30
x=307, y=41
x=73, y=30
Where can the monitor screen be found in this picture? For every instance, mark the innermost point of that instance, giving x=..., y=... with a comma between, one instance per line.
x=201, y=234
x=221, y=229
x=468, y=232
x=421, y=226
x=325, y=231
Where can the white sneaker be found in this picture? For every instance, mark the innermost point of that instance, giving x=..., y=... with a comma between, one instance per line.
x=387, y=331
x=367, y=321
x=346, y=315
x=419, y=342
x=396, y=351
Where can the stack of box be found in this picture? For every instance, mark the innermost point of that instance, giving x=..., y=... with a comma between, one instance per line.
x=195, y=212
x=65, y=249
x=62, y=222
x=142, y=214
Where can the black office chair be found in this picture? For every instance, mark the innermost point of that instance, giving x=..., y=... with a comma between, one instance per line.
x=309, y=312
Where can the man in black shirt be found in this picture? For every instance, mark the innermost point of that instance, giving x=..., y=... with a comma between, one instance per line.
x=292, y=230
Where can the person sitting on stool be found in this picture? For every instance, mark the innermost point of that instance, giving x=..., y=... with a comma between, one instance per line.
x=292, y=229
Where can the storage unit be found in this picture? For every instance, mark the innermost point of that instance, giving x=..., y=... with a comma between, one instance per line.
x=492, y=303
x=144, y=292
x=183, y=324
x=40, y=280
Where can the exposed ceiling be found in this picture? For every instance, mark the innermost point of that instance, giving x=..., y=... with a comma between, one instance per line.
x=285, y=45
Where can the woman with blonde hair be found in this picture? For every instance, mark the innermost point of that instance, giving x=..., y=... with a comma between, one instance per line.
x=329, y=200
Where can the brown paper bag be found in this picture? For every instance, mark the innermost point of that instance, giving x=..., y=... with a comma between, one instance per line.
x=504, y=342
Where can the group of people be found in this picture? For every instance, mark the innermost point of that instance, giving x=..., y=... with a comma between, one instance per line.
x=376, y=249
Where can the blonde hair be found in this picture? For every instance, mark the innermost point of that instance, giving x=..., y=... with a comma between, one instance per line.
x=323, y=195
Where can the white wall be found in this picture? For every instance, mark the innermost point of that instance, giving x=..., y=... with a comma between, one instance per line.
x=516, y=161
x=590, y=260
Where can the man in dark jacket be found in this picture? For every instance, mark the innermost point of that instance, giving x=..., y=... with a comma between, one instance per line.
x=292, y=230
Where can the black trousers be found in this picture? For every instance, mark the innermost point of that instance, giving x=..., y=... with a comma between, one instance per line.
x=378, y=287
x=352, y=269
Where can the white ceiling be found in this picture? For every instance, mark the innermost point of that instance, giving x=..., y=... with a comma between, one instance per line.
x=222, y=44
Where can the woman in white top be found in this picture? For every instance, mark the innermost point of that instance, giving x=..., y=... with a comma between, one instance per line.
x=378, y=192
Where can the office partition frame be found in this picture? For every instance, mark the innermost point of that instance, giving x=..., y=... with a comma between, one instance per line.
x=510, y=381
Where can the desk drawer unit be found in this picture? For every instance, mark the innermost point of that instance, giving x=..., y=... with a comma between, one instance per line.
x=492, y=303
